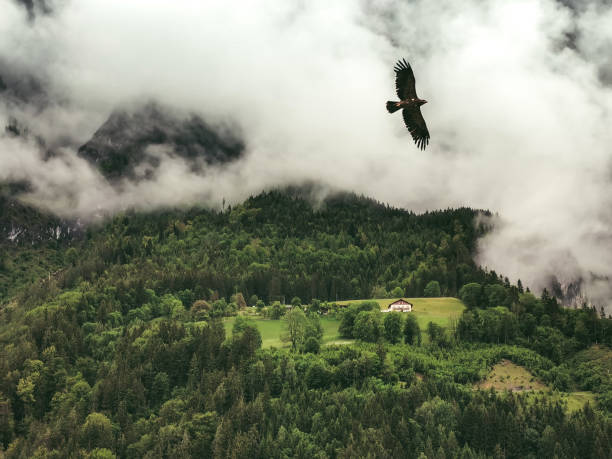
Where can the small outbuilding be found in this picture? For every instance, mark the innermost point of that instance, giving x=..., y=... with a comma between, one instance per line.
x=400, y=305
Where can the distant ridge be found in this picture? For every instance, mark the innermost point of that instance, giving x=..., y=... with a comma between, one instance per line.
x=121, y=144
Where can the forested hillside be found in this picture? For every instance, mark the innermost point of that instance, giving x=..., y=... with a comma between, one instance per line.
x=276, y=244
x=113, y=345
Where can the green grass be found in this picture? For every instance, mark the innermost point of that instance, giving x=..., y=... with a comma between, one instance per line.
x=271, y=331
x=573, y=401
x=576, y=400
x=594, y=363
x=596, y=353
x=438, y=310
x=508, y=376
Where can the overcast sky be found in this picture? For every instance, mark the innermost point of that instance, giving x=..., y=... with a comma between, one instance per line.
x=519, y=109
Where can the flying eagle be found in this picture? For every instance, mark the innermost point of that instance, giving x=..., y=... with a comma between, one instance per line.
x=409, y=103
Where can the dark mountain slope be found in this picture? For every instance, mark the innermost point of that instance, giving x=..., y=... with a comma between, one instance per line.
x=120, y=144
x=32, y=242
x=21, y=223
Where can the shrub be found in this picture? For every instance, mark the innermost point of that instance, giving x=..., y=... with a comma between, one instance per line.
x=432, y=289
x=312, y=345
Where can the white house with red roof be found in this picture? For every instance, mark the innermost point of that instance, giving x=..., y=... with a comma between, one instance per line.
x=400, y=305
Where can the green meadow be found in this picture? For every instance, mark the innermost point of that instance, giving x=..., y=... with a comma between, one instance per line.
x=271, y=330
x=438, y=310
x=507, y=376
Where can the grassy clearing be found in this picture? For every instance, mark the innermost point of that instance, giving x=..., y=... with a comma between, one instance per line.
x=508, y=376
x=271, y=331
x=594, y=363
x=438, y=310
x=576, y=400
x=596, y=353
x=573, y=401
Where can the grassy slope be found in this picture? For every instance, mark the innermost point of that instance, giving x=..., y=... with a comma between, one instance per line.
x=573, y=401
x=594, y=364
x=511, y=377
x=437, y=310
x=576, y=400
x=271, y=330
x=508, y=376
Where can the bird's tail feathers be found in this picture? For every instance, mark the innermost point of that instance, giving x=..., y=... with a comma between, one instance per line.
x=392, y=106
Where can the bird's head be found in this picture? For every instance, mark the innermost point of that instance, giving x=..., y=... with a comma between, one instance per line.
x=422, y=101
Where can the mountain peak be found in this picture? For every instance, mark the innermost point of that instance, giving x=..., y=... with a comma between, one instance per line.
x=123, y=142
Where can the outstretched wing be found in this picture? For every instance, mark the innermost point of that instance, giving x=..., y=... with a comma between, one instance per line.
x=404, y=80
x=416, y=125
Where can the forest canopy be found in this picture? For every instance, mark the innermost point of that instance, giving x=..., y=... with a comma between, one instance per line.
x=114, y=345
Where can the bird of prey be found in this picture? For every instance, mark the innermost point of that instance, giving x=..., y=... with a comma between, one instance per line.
x=409, y=104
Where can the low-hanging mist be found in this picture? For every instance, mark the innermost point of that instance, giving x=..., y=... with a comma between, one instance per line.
x=519, y=110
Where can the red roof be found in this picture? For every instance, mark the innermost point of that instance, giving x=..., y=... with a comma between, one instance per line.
x=400, y=301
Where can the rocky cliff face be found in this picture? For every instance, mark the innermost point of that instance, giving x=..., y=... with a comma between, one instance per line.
x=20, y=223
x=25, y=224
x=124, y=141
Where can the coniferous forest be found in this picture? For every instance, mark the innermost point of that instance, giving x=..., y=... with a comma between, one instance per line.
x=113, y=344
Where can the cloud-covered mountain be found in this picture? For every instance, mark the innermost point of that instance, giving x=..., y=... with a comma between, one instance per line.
x=22, y=223
x=128, y=143
x=36, y=7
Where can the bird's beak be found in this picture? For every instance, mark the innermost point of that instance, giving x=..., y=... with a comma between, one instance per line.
x=424, y=102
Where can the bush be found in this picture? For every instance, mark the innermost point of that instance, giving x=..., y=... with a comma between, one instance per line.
x=438, y=335
x=432, y=289
x=348, y=315
x=312, y=345
x=496, y=295
x=434, y=331
x=393, y=326
x=97, y=431
x=241, y=323
x=412, y=331
x=368, y=326
x=199, y=309
x=313, y=327
x=245, y=342
x=171, y=305
x=238, y=298
x=318, y=376
x=276, y=311
x=296, y=301
x=470, y=294
x=253, y=300
x=380, y=292
x=220, y=308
